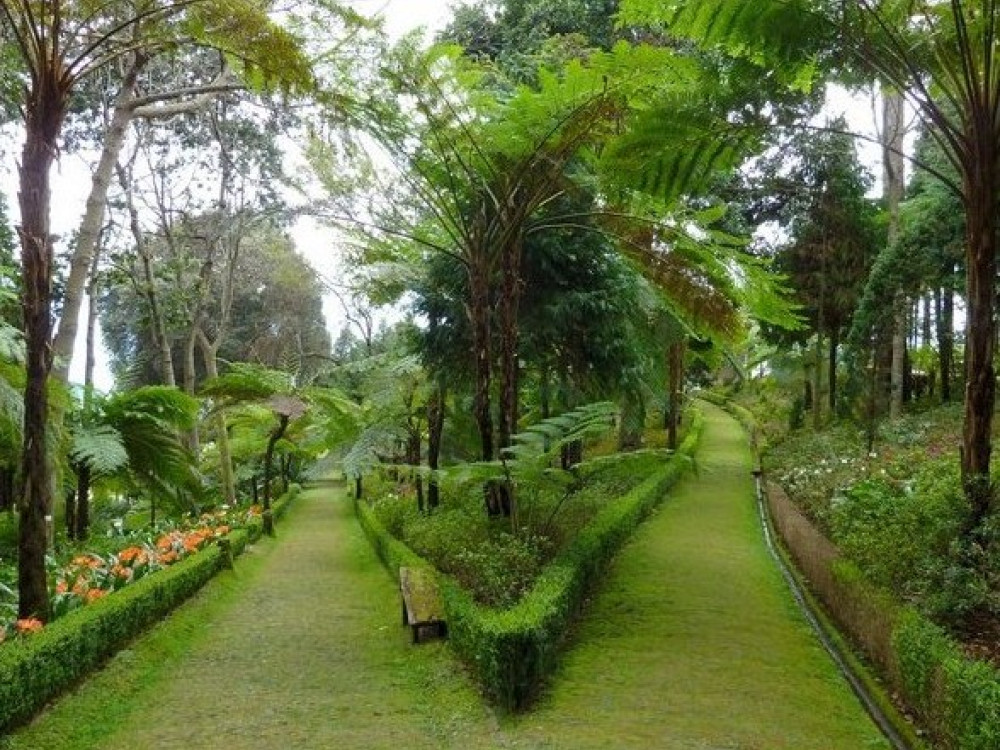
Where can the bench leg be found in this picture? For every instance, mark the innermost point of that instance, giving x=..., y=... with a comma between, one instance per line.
x=416, y=634
x=406, y=620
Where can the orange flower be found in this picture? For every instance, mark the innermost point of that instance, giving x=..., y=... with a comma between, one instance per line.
x=29, y=625
x=168, y=558
x=132, y=554
x=222, y=530
x=88, y=561
x=61, y=586
x=119, y=571
x=80, y=587
x=94, y=594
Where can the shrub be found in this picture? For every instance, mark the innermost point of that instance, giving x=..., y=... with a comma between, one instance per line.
x=34, y=669
x=513, y=651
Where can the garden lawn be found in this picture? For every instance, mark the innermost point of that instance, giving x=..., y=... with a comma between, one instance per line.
x=694, y=640
x=301, y=648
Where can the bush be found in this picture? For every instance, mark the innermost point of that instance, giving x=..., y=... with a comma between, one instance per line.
x=907, y=536
x=957, y=696
x=513, y=651
x=36, y=668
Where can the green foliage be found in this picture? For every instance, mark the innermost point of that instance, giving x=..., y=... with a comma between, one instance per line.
x=513, y=651
x=901, y=535
x=788, y=38
x=244, y=381
x=958, y=696
x=149, y=420
x=100, y=448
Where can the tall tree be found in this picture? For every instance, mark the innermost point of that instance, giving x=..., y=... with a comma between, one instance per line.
x=944, y=57
x=61, y=42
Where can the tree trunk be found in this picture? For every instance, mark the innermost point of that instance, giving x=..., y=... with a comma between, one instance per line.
x=675, y=363
x=157, y=321
x=479, y=313
x=82, y=521
x=413, y=446
x=45, y=110
x=831, y=379
x=633, y=420
x=980, y=380
x=817, y=369
x=7, y=494
x=210, y=353
x=893, y=133
x=435, y=430
x=71, y=514
x=88, y=236
x=946, y=340
x=509, y=303
x=193, y=437
x=275, y=436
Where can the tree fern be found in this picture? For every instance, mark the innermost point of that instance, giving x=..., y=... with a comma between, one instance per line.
x=101, y=448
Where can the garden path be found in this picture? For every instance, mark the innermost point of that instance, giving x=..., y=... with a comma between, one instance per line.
x=693, y=642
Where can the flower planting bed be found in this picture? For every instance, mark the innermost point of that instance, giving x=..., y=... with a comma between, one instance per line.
x=102, y=603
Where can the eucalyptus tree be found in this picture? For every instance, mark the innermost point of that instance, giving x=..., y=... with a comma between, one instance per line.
x=943, y=57
x=60, y=43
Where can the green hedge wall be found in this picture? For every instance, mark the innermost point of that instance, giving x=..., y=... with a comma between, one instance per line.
x=35, y=669
x=513, y=651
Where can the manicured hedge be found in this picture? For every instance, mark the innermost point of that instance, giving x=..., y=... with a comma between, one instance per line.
x=956, y=697
x=37, y=668
x=513, y=651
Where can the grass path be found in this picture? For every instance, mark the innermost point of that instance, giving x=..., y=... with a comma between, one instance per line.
x=693, y=643
x=301, y=648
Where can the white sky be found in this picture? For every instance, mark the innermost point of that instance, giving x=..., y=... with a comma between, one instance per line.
x=71, y=177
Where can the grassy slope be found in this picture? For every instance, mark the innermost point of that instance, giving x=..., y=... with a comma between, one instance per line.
x=309, y=655
x=694, y=641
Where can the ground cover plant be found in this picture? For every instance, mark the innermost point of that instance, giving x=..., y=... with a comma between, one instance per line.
x=894, y=507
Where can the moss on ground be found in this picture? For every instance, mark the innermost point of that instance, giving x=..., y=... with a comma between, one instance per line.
x=693, y=642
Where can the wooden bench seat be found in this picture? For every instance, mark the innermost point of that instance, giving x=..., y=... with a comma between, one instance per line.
x=423, y=609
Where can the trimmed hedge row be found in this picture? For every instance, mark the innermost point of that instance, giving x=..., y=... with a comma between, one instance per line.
x=37, y=668
x=955, y=696
x=513, y=651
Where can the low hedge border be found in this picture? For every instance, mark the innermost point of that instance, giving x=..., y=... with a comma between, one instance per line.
x=35, y=669
x=513, y=651
x=956, y=697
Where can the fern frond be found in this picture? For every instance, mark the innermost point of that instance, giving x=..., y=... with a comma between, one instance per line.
x=100, y=448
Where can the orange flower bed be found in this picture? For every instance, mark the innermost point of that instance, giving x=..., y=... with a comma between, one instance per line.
x=89, y=577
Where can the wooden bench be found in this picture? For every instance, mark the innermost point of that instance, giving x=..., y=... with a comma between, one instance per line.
x=422, y=606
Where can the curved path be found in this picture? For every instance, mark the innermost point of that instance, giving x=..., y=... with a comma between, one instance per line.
x=692, y=643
